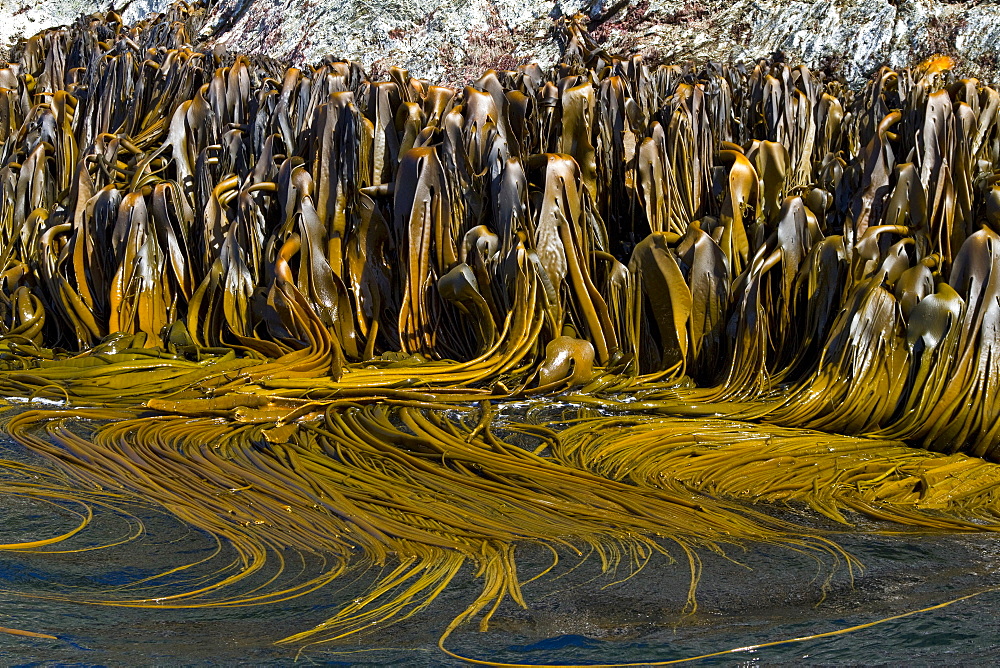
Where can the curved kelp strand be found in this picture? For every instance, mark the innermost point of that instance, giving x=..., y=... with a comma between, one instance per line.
x=414, y=490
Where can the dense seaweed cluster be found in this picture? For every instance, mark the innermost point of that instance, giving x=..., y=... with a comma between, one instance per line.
x=296, y=304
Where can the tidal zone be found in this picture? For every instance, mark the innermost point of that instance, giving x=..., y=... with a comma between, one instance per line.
x=616, y=310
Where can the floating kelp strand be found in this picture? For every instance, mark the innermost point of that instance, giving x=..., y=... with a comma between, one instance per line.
x=739, y=460
x=124, y=379
x=85, y=511
x=253, y=556
x=487, y=491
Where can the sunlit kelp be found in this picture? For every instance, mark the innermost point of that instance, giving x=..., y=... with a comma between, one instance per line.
x=430, y=492
x=290, y=306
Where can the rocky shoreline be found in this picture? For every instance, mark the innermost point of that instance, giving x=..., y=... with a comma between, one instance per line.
x=454, y=41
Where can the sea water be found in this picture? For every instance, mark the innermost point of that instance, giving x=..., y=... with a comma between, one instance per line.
x=748, y=596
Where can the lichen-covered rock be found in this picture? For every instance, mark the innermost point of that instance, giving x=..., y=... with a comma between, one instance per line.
x=853, y=37
x=23, y=18
x=453, y=41
x=450, y=41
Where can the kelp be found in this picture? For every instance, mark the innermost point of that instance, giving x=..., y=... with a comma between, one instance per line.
x=307, y=310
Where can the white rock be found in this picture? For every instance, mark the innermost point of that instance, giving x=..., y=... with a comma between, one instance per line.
x=453, y=41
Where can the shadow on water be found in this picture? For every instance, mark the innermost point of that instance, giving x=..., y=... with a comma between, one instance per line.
x=576, y=615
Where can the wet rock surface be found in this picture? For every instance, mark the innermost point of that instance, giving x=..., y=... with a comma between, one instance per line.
x=453, y=41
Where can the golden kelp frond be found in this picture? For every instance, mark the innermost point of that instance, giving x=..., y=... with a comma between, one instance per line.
x=886, y=480
x=381, y=486
x=69, y=512
x=708, y=221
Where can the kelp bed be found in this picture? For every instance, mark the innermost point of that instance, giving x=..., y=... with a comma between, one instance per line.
x=611, y=309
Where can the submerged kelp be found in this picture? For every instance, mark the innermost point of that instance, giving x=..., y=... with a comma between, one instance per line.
x=296, y=308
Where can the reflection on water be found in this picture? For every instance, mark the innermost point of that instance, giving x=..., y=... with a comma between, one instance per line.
x=576, y=615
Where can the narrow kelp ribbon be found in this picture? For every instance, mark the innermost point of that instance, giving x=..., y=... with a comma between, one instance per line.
x=379, y=484
x=726, y=652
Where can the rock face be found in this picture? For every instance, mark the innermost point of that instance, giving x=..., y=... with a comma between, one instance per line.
x=453, y=41
x=449, y=41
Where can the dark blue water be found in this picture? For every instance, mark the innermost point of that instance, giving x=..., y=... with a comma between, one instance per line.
x=577, y=615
